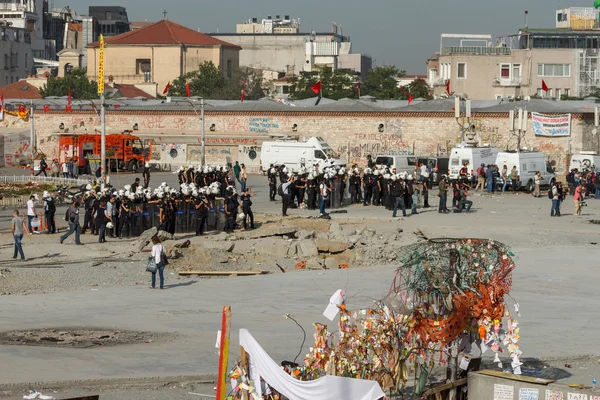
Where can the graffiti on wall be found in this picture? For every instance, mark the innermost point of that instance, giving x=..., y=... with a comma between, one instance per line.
x=214, y=154
x=364, y=144
x=16, y=149
x=557, y=155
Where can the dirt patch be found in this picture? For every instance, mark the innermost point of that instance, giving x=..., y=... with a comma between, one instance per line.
x=77, y=338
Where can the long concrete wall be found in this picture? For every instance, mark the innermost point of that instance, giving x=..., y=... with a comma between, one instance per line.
x=352, y=135
x=485, y=387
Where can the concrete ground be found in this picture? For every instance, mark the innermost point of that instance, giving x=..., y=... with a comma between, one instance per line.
x=555, y=283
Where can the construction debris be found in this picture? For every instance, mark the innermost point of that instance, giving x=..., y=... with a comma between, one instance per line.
x=223, y=273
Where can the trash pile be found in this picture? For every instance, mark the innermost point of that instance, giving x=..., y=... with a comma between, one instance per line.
x=447, y=292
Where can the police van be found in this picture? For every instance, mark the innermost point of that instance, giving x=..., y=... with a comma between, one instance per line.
x=473, y=157
x=585, y=161
x=296, y=154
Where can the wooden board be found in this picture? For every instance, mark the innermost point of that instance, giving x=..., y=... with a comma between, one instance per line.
x=445, y=386
x=513, y=377
x=223, y=273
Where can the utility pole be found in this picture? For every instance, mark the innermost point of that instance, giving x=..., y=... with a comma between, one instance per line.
x=595, y=130
x=102, y=115
x=520, y=130
x=202, y=132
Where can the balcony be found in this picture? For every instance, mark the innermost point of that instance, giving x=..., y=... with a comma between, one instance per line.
x=12, y=7
x=513, y=82
x=476, y=50
x=439, y=82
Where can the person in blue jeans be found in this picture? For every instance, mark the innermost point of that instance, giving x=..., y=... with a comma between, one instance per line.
x=74, y=226
x=157, y=252
x=323, y=190
x=18, y=227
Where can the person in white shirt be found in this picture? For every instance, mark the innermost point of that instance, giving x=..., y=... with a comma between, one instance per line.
x=31, y=214
x=287, y=195
x=324, y=192
x=157, y=250
x=65, y=170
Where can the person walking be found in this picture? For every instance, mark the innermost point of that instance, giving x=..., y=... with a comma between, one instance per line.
x=157, y=252
x=415, y=199
x=505, y=177
x=425, y=191
x=31, y=213
x=43, y=167
x=578, y=199
x=73, y=220
x=18, y=226
x=243, y=177
x=489, y=177
x=537, y=180
x=397, y=191
x=55, y=168
x=49, y=211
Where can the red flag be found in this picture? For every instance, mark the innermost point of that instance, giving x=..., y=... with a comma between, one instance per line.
x=316, y=87
x=358, y=87
x=243, y=91
x=544, y=86
x=448, y=87
x=187, y=89
x=69, y=100
x=166, y=91
x=410, y=98
x=46, y=109
x=2, y=101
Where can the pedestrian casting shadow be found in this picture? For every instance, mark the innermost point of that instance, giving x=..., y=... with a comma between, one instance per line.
x=176, y=285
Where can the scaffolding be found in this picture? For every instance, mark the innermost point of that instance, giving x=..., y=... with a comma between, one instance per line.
x=587, y=78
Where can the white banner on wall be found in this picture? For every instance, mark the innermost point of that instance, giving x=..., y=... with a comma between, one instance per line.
x=555, y=125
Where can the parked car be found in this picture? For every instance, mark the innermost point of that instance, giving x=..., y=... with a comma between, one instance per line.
x=527, y=163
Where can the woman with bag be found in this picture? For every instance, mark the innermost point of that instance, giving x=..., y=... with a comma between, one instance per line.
x=157, y=262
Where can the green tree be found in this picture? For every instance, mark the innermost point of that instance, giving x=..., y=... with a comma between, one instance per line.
x=77, y=82
x=381, y=82
x=252, y=78
x=207, y=82
x=334, y=85
x=417, y=88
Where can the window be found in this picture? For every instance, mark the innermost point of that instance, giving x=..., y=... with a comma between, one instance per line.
x=320, y=155
x=554, y=70
x=286, y=89
x=558, y=93
x=142, y=66
x=498, y=97
x=539, y=92
x=505, y=71
x=229, y=68
x=516, y=71
x=567, y=92
x=461, y=70
x=549, y=93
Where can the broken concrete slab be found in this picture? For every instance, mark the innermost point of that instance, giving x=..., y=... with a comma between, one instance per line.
x=308, y=248
x=145, y=238
x=331, y=263
x=218, y=236
x=330, y=246
x=244, y=246
x=273, y=247
x=225, y=246
x=314, y=263
x=302, y=235
x=268, y=232
x=164, y=236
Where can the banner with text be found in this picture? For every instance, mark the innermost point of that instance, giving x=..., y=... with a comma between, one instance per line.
x=556, y=125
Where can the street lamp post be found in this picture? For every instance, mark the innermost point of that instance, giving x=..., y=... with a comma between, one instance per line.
x=202, y=131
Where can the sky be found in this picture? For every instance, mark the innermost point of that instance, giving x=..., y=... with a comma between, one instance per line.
x=403, y=33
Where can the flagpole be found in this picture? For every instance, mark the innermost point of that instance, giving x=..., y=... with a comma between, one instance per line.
x=101, y=92
x=32, y=131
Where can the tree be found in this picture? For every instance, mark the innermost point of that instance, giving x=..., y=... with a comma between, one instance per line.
x=77, y=82
x=417, y=88
x=381, y=82
x=208, y=82
x=334, y=85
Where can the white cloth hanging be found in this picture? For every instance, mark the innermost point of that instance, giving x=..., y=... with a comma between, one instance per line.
x=326, y=388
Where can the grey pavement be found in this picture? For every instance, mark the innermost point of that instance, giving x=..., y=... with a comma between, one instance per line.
x=555, y=287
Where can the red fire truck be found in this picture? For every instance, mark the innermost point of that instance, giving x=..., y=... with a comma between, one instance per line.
x=124, y=151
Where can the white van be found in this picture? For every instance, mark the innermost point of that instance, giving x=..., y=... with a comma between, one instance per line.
x=472, y=156
x=401, y=163
x=527, y=163
x=294, y=154
x=585, y=161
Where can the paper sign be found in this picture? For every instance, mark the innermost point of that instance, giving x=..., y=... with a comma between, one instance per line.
x=331, y=311
x=517, y=370
x=464, y=363
x=577, y=396
x=218, y=344
x=484, y=348
x=503, y=392
x=529, y=394
x=338, y=298
x=552, y=395
x=594, y=397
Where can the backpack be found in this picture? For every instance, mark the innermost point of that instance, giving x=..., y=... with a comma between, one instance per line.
x=51, y=206
x=67, y=215
x=550, y=195
x=280, y=190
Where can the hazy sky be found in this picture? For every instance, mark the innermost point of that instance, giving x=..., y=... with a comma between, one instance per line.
x=399, y=32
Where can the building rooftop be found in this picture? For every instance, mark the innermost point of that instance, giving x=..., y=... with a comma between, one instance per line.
x=20, y=90
x=164, y=32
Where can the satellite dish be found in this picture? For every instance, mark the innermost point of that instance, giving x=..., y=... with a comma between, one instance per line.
x=466, y=125
x=313, y=33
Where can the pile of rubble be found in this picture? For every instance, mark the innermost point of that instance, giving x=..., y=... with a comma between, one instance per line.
x=283, y=248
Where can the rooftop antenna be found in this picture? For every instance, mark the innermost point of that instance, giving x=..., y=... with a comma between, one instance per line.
x=526, y=12
x=164, y=14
